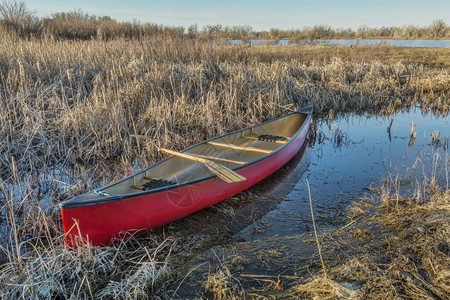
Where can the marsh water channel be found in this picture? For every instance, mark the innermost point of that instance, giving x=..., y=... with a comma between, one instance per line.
x=267, y=231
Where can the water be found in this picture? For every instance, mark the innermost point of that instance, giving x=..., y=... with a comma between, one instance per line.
x=350, y=156
x=401, y=43
x=352, y=42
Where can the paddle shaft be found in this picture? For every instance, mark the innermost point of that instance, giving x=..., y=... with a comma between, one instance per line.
x=181, y=154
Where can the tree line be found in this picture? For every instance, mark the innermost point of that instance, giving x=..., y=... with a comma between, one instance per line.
x=15, y=17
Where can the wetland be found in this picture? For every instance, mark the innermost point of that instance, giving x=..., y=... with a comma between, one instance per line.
x=70, y=109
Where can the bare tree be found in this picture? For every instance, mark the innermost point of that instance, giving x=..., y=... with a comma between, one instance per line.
x=438, y=28
x=193, y=31
x=15, y=16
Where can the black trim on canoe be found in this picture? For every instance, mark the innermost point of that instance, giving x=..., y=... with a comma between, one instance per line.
x=93, y=198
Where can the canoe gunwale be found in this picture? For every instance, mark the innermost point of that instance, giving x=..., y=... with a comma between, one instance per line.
x=101, y=199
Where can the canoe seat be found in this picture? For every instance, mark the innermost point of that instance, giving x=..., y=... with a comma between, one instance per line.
x=157, y=183
x=271, y=138
x=268, y=138
x=154, y=184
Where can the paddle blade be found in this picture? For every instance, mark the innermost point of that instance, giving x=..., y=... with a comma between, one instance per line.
x=224, y=173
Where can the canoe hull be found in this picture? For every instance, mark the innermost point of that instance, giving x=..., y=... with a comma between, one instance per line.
x=101, y=223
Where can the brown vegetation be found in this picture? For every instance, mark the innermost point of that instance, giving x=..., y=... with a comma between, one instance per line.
x=83, y=101
x=400, y=250
x=76, y=105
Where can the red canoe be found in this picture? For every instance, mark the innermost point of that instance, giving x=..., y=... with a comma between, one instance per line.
x=208, y=173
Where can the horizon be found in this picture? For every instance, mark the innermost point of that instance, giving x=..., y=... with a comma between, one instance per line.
x=260, y=15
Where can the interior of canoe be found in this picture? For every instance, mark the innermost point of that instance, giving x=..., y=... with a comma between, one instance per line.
x=232, y=150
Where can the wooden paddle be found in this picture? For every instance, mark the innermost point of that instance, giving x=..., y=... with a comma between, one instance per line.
x=245, y=148
x=221, y=171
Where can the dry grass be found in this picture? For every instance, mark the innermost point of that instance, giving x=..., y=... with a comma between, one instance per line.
x=222, y=284
x=83, y=274
x=396, y=246
x=69, y=102
x=427, y=57
x=92, y=272
x=69, y=111
x=36, y=264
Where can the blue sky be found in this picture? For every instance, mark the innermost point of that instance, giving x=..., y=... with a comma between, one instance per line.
x=260, y=14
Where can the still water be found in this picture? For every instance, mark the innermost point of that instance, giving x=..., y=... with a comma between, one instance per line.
x=353, y=42
x=402, y=43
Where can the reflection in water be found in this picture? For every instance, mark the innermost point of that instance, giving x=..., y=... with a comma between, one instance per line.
x=412, y=134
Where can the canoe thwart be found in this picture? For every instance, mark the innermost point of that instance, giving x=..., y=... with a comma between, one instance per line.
x=236, y=147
